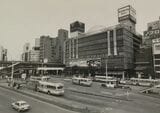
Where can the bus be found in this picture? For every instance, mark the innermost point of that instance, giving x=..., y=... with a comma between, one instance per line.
x=51, y=88
x=33, y=82
x=144, y=82
x=39, y=78
x=101, y=78
x=110, y=83
x=82, y=81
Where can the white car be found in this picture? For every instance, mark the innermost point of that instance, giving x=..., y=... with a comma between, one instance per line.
x=20, y=106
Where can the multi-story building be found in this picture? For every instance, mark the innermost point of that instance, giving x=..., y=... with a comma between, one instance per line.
x=146, y=64
x=71, y=45
x=62, y=36
x=114, y=46
x=3, y=54
x=35, y=52
x=152, y=32
x=156, y=57
x=47, y=49
x=26, y=52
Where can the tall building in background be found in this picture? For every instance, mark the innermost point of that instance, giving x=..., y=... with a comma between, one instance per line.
x=152, y=32
x=37, y=42
x=62, y=36
x=26, y=52
x=3, y=54
x=35, y=52
x=71, y=45
x=47, y=49
x=147, y=59
x=156, y=56
x=114, y=46
x=76, y=28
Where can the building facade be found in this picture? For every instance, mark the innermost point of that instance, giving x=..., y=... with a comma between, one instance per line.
x=156, y=56
x=147, y=62
x=35, y=52
x=47, y=49
x=152, y=32
x=62, y=36
x=26, y=52
x=3, y=54
x=144, y=63
x=114, y=46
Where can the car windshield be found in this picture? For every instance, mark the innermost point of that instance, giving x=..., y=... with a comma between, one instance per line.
x=60, y=87
x=22, y=104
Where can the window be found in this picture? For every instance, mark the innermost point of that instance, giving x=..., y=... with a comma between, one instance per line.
x=51, y=87
x=60, y=87
x=157, y=56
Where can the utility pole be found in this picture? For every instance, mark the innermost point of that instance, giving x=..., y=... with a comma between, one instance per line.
x=106, y=69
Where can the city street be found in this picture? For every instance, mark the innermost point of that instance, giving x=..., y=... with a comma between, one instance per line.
x=80, y=56
x=124, y=103
x=133, y=103
x=37, y=106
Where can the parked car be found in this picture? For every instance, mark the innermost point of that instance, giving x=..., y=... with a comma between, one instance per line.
x=20, y=105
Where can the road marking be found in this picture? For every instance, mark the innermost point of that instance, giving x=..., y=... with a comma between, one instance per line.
x=13, y=99
x=108, y=108
x=72, y=88
x=107, y=93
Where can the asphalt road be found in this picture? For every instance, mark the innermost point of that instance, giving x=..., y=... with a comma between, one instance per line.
x=138, y=103
x=37, y=106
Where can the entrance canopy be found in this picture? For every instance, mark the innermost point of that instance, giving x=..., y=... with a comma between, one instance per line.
x=50, y=68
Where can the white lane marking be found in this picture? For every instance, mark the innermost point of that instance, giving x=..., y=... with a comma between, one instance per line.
x=107, y=93
x=13, y=99
x=105, y=110
x=32, y=98
x=72, y=88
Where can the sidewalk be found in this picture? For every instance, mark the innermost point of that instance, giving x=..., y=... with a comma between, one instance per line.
x=59, y=101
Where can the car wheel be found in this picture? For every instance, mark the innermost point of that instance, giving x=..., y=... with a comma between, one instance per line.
x=49, y=92
x=19, y=110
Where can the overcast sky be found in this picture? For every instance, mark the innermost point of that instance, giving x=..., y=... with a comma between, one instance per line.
x=22, y=21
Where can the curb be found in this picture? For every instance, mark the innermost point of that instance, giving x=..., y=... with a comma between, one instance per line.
x=94, y=94
x=68, y=107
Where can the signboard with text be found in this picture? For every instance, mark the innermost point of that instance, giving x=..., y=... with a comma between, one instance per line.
x=127, y=12
x=152, y=33
x=156, y=46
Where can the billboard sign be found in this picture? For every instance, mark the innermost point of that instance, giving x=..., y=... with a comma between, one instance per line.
x=77, y=26
x=127, y=12
x=132, y=12
x=156, y=46
x=123, y=11
x=81, y=63
x=152, y=32
x=86, y=62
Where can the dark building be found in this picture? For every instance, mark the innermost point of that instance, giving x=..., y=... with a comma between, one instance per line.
x=115, y=46
x=3, y=54
x=76, y=28
x=144, y=63
x=62, y=36
x=47, y=49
